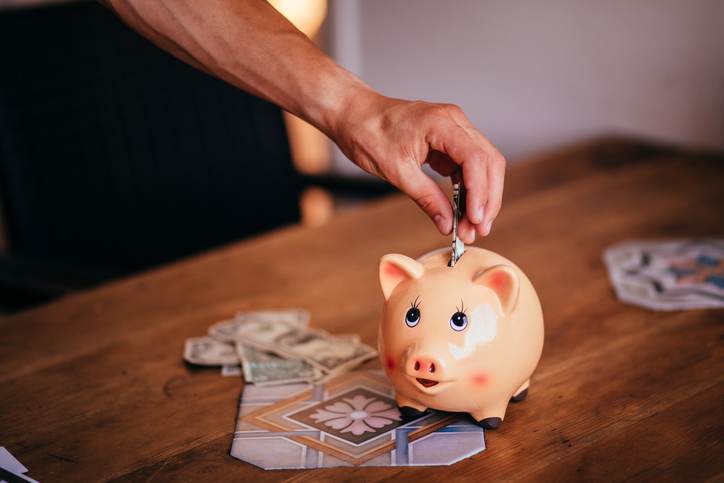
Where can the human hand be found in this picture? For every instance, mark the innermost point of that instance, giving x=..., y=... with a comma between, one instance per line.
x=393, y=138
x=390, y=138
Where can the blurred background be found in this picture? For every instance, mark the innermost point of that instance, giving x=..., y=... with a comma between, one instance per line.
x=115, y=157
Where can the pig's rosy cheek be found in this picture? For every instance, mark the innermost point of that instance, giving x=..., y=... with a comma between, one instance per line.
x=479, y=379
x=390, y=363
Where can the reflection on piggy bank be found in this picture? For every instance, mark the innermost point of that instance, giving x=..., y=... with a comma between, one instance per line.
x=465, y=338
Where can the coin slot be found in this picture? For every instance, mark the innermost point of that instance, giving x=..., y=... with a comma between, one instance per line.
x=450, y=263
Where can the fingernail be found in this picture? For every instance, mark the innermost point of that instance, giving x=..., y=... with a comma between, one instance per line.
x=488, y=226
x=441, y=223
x=479, y=214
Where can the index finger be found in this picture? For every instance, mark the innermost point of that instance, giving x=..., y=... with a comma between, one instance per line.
x=495, y=171
x=496, y=180
x=469, y=149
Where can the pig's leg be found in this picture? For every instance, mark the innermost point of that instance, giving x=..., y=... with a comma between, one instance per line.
x=490, y=418
x=522, y=392
x=409, y=408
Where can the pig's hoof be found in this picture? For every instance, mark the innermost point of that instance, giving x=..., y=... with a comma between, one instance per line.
x=520, y=396
x=411, y=413
x=490, y=423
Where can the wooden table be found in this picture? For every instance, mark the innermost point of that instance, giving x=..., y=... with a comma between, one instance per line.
x=93, y=386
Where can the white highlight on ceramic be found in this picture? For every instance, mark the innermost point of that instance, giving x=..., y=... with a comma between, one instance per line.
x=483, y=328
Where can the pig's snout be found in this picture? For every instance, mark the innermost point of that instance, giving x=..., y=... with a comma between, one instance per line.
x=424, y=367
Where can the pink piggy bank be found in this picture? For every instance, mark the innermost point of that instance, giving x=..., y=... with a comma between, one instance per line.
x=465, y=338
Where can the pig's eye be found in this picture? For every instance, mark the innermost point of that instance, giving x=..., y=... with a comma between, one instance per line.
x=459, y=321
x=412, y=317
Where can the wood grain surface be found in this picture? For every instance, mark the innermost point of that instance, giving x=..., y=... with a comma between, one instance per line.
x=94, y=388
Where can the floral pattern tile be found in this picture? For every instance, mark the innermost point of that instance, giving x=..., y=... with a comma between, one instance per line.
x=349, y=421
x=355, y=416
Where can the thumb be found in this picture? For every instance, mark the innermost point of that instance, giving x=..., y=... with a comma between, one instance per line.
x=429, y=197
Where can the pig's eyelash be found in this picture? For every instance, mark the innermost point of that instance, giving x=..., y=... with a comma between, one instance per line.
x=416, y=303
x=462, y=307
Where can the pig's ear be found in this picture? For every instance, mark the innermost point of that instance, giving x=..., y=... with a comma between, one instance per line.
x=396, y=268
x=502, y=280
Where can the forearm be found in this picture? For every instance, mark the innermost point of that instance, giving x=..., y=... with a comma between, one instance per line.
x=250, y=45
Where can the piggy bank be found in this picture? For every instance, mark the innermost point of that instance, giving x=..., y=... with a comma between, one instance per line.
x=464, y=338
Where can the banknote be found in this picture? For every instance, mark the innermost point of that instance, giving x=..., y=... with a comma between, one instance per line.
x=348, y=337
x=298, y=317
x=320, y=349
x=231, y=329
x=205, y=351
x=231, y=370
x=264, y=368
x=458, y=247
x=276, y=347
x=262, y=333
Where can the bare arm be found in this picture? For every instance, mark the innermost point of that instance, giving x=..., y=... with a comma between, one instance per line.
x=250, y=45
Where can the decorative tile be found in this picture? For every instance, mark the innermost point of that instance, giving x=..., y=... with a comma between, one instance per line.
x=355, y=416
x=349, y=421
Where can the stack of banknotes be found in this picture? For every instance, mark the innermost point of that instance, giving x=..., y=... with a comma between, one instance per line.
x=276, y=347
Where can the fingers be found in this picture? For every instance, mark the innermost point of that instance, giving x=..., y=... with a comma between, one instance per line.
x=466, y=231
x=495, y=172
x=483, y=168
x=496, y=178
x=475, y=179
x=429, y=196
x=445, y=166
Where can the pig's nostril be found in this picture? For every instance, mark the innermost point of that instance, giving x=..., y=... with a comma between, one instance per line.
x=432, y=367
x=417, y=365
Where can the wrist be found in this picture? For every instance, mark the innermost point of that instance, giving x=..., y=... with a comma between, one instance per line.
x=337, y=98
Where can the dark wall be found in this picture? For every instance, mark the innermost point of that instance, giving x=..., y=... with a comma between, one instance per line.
x=114, y=154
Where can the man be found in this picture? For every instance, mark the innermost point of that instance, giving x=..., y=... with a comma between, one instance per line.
x=253, y=47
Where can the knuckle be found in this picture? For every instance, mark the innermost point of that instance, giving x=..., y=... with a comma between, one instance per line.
x=438, y=110
x=454, y=109
x=426, y=201
x=477, y=157
x=499, y=161
x=448, y=111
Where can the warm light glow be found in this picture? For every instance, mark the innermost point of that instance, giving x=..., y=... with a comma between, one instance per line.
x=309, y=146
x=317, y=207
x=306, y=15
